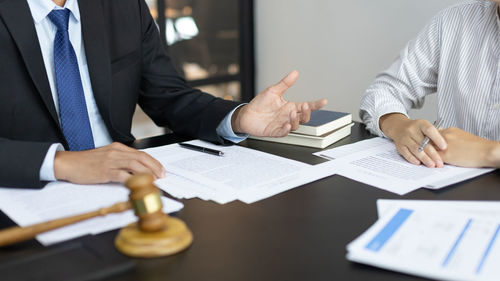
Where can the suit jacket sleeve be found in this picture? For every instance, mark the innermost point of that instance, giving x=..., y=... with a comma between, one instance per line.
x=166, y=97
x=21, y=162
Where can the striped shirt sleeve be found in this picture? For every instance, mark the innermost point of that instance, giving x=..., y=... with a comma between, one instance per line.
x=411, y=77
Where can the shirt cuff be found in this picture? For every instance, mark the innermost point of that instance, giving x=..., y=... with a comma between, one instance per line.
x=225, y=130
x=47, y=169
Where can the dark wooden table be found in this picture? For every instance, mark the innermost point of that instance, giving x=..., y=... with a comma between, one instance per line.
x=297, y=235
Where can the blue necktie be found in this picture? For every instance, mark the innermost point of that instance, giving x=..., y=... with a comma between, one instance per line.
x=72, y=108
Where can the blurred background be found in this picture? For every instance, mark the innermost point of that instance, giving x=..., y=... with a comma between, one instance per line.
x=236, y=48
x=211, y=45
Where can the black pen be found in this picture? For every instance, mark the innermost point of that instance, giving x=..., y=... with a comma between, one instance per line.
x=202, y=149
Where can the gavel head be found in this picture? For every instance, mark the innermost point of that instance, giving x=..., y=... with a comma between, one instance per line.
x=146, y=202
x=155, y=234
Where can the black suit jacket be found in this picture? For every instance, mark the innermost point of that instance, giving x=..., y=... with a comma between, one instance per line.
x=127, y=65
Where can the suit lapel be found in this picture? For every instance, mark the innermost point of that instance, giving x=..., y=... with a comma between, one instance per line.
x=17, y=17
x=97, y=52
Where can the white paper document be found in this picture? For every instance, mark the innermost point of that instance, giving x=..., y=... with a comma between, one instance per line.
x=345, y=150
x=241, y=174
x=450, y=241
x=376, y=162
x=61, y=199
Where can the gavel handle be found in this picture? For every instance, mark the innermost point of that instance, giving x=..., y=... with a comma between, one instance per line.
x=17, y=234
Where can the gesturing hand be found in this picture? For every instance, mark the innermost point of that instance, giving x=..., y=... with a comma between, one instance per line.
x=408, y=134
x=112, y=163
x=270, y=115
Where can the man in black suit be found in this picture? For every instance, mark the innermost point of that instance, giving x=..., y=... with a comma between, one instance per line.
x=109, y=52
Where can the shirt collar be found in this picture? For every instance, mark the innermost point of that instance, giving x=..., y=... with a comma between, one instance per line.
x=40, y=9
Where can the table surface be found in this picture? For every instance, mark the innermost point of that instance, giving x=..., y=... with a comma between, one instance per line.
x=300, y=234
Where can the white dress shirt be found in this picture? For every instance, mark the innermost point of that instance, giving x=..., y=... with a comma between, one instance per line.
x=457, y=55
x=46, y=32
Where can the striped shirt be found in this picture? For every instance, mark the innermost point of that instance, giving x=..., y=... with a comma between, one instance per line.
x=457, y=56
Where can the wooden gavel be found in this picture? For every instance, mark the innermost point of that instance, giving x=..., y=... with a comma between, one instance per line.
x=154, y=235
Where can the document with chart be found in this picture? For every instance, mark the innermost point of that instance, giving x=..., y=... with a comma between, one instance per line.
x=376, y=162
x=487, y=209
x=433, y=242
x=241, y=174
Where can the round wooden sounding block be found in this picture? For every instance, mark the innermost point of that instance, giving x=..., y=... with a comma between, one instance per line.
x=155, y=234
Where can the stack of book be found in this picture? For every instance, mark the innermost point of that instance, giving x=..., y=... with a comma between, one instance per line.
x=324, y=128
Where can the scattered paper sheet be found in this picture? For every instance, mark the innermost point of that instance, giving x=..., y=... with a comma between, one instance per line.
x=241, y=174
x=447, y=241
x=348, y=149
x=377, y=163
x=60, y=199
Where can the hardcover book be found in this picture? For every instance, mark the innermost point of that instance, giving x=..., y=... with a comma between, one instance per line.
x=312, y=141
x=324, y=121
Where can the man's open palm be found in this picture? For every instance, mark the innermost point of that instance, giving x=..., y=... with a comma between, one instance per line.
x=270, y=115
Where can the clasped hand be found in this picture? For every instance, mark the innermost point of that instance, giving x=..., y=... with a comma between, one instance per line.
x=452, y=145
